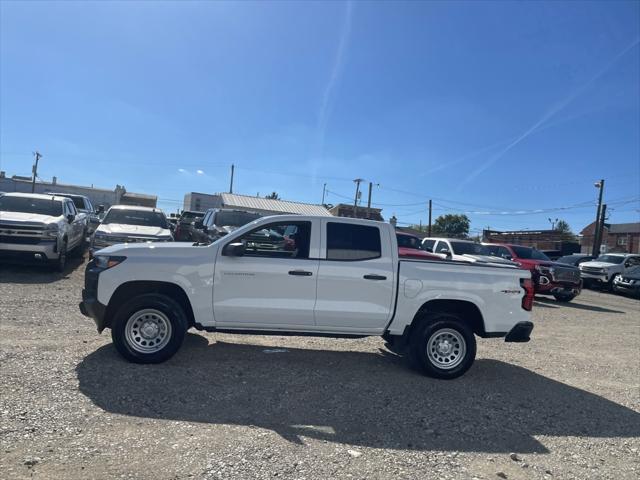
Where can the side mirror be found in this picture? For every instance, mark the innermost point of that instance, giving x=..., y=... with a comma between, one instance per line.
x=235, y=249
x=446, y=252
x=507, y=257
x=197, y=224
x=70, y=218
x=100, y=209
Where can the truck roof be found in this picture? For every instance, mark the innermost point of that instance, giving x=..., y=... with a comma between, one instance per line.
x=42, y=196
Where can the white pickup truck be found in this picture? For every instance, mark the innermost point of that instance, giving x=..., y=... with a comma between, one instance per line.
x=300, y=275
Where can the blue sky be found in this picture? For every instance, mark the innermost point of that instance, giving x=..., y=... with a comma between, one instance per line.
x=499, y=109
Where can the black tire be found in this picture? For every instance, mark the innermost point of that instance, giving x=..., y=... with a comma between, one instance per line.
x=126, y=345
x=61, y=262
x=456, y=334
x=564, y=297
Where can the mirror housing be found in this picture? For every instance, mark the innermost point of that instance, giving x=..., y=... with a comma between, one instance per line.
x=235, y=249
x=197, y=224
x=70, y=218
x=100, y=209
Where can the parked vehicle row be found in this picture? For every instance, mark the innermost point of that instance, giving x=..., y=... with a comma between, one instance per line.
x=606, y=268
x=331, y=276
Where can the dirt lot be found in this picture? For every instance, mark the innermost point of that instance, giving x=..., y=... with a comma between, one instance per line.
x=565, y=405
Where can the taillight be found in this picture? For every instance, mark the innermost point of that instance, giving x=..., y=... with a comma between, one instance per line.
x=527, y=300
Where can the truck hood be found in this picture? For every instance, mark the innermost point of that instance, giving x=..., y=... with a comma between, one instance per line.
x=27, y=217
x=123, y=229
x=599, y=264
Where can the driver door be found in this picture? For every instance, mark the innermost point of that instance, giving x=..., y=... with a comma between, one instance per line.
x=273, y=284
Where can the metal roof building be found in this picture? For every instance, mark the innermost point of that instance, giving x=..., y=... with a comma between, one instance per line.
x=266, y=206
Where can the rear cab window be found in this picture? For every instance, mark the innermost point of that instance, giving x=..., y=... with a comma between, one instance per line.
x=350, y=242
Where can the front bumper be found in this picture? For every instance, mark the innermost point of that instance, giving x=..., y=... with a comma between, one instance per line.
x=520, y=332
x=633, y=289
x=43, y=250
x=90, y=306
x=598, y=277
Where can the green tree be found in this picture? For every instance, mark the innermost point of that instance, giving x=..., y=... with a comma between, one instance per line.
x=563, y=227
x=451, y=225
x=273, y=196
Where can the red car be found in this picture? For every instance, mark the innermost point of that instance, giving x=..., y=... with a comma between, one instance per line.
x=409, y=247
x=549, y=278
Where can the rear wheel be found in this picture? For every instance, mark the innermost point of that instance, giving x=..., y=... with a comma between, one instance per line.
x=442, y=346
x=149, y=328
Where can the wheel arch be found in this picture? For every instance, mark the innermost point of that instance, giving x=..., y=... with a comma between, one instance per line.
x=132, y=289
x=468, y=312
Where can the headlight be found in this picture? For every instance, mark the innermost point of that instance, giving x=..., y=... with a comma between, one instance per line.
x=106, y=261
x=51, y=230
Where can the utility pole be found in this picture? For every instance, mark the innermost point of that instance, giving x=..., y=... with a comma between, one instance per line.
x=35, y=171
x=231, y=184
x=369, y=200
x=429, y=218
x=596, y=233
x=603, y=211
x=355, y=200
x=324, y=191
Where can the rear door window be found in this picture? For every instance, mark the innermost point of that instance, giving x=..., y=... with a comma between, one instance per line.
x=347, y=241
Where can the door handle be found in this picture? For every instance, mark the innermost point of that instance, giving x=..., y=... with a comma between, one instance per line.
x=300, y=273
x=374, y=277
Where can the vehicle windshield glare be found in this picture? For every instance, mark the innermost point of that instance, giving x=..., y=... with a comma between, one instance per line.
x=191, y=215
x=610, y=259
x=408, y=241
x=234, y=219
x=38, y=206
x=469, y=248
x=142, y=218
x=529, y=253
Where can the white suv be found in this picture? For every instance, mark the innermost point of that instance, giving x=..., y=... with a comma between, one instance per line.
x=129, y=224
x=39, y=227
x=604, y=269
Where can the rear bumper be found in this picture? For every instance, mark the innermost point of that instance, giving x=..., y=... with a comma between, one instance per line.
x=520, y=332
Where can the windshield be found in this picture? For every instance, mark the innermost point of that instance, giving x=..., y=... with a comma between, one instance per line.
x=136, y=217
x=39, y=206
x=408, y=241
x=191, y=216
x=529, y=253
x=569, y=259
x=610, y=258
x=234, y=219
x=469, y=248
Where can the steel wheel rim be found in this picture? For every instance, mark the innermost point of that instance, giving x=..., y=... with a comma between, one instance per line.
x=446, y=348
x=148, y=331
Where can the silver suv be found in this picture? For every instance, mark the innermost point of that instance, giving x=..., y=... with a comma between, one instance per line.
x=39, y=227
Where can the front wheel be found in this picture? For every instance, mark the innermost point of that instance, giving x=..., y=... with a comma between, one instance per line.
x=149, y=328
x=61, y=262
x=443, y=346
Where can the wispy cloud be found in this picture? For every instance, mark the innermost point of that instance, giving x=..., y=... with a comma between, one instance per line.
x=199, y=172
x=554, y=110
x=334, y=77
x=182, y=170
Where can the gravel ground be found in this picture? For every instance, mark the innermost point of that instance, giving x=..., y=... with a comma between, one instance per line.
x=565, y=405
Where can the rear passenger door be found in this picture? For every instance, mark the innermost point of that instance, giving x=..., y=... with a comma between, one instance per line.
x=355, y=278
